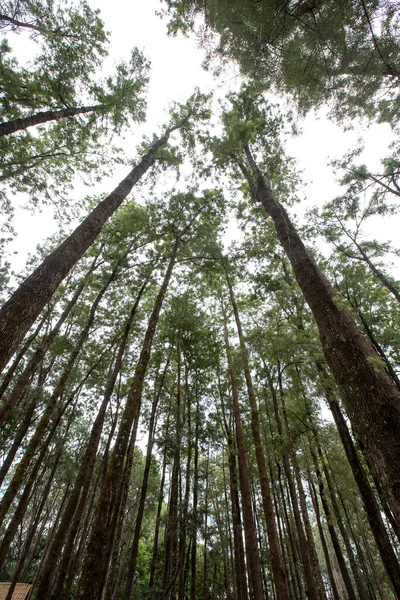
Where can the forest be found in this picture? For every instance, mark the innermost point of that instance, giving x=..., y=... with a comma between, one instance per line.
x=200, y=391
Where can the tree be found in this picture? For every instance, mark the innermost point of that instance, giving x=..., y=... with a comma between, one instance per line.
x=41, y=284
x=352, y=361
x=320, y=52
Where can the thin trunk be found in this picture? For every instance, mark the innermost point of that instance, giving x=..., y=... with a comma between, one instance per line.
x=93, y=575
x=172, y=527
x=314, y=499
x=143, y=491
x=29, y=538
x=185, y=505
x=9, y=127
x=278, y=567
x=362, y=592
x=206, y=503
x=314, y=583
x=8, y=376
x=19, y=313
x=249, y=527
x=158, y=518
x=382, y=278
x=371, y=399
x=193, y=558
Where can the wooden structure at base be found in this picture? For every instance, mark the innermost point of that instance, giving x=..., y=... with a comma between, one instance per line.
x=20, y=592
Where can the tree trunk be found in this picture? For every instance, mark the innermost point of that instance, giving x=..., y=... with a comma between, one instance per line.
x=9, y=127
x=154, y=556
x=51, y=404
x=40, y=352
x=19, y=313
x=314, y=585
x=332, y=532
x=314, y=499
x=371, y=400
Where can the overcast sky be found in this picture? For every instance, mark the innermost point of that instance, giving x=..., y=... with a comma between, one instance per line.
x=176, y=71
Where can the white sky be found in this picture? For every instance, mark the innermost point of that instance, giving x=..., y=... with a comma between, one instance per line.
x=176, y=70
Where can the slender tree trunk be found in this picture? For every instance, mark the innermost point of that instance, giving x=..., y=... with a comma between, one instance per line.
x=93, y=575
x=29, y=538
x=143, y=492
x=314, y=499
x=249, y=527
x=206, y=504
x=278, y=567
x=19, y=313
x=371, y=399
x=154, y=556
x=172, y=527
x=185, y=504
x=8, y=377
x=314, y=584
x=362, y=592
x=9, y=127
x=193, y=558
x=382, y=278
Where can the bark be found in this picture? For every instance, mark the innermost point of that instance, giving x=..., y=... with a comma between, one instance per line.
x=278, y=567
x=371, y=399
x=19, y=313
x=9, y=127
x=93, y=576
x=249, y=527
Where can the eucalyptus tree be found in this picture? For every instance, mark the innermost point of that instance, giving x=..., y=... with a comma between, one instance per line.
x=20, y=311
x=320, y=52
